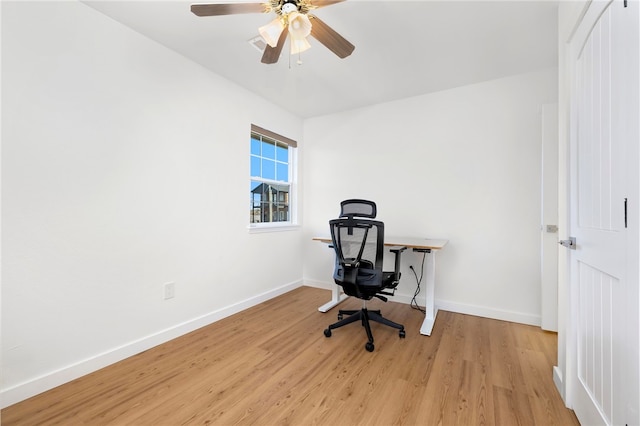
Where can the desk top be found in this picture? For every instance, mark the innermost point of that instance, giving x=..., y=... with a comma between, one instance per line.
x=409, y=242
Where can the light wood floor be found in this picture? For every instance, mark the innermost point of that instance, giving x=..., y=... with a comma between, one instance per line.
x=272, y=365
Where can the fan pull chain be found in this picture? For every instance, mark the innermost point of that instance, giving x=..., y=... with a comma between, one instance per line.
x=299, y=61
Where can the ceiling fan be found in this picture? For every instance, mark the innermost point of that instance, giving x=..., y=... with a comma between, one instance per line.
x=294, y=17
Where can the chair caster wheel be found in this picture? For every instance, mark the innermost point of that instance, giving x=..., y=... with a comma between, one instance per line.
x=402, y=334
x=369, y=347
x=327, y=332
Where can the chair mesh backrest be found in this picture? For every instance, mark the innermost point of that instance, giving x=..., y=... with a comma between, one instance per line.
x=359, y=248
x=358, y=208
x=357, y=241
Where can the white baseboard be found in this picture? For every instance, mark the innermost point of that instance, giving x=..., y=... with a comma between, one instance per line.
x=486, y=312
x=460, y=308
x=56, y=378
x=558, y=380
x=319, y=284
x=406, y=299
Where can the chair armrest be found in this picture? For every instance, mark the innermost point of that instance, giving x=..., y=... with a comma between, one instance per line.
x=397, y=250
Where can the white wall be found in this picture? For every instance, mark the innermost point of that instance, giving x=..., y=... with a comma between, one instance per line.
x=462, y=164
x=124, y=167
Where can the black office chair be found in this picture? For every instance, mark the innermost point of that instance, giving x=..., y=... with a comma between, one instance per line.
x=358, y=241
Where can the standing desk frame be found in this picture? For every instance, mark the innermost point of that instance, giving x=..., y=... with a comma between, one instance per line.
x=427, y=246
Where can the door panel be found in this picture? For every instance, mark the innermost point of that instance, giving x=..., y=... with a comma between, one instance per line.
x=595, y=326
x=604, y=303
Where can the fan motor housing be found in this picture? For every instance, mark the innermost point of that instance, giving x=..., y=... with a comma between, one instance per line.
x=284, y=7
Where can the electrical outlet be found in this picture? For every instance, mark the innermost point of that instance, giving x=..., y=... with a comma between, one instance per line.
x=169, y=290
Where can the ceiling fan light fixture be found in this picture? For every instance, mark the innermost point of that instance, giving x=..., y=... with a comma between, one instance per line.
x=271, y=32
x=299, y=25
x=293, y=15
x=299, y=45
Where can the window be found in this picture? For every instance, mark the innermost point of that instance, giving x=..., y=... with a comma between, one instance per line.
x=272, y=158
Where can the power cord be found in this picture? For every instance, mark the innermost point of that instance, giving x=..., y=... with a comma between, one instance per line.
x=414, y=302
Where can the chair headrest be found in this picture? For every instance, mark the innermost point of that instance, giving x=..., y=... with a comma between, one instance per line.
x=358, y=208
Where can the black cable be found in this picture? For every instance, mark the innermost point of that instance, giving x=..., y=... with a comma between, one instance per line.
x=414, y=302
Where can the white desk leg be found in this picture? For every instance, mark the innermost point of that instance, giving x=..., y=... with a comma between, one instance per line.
x=430, y=285
x=336, y=298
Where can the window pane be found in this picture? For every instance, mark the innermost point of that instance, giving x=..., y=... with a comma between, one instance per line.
x=282, y=172
x=266, y=217
x=255, y=212
x=282, y=153
x=255, y=146
x=280, y=202
x=269, y=169
x=268, y=150
x=255, y=166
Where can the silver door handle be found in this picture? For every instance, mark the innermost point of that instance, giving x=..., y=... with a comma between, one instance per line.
x=570, y=243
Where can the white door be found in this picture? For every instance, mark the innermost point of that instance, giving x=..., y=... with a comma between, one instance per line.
x=604, y=375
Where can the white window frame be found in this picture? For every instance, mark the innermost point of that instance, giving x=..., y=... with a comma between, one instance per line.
x=292, y=223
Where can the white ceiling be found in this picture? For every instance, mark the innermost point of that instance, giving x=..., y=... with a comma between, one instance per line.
x=403, y=48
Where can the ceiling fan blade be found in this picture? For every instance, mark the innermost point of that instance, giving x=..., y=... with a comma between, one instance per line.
x=330, y=38
x=272, y=54
x=323, y=3
x=226, y=9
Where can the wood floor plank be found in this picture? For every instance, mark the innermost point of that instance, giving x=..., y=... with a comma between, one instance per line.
x=507, y=372
x=541, y=391
x=461, y=388
x=512, y=408
x=272, y=365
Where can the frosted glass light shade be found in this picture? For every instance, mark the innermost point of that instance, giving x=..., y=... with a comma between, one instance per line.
x=271, y=32
x=299, y=45
x=299, y=25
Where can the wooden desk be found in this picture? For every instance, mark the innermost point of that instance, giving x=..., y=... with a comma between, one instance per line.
x=430, y=275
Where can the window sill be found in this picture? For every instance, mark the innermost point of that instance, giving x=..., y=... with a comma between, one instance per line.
x=272, y=228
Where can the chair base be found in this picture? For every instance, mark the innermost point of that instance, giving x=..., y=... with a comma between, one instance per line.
x=365, y=316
